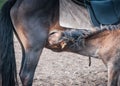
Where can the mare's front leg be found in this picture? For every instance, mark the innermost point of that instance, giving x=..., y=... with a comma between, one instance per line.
x=32, y=30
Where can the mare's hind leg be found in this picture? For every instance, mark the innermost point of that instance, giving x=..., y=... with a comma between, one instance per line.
x=33, y=42
x=33, y=34
x=114, y=72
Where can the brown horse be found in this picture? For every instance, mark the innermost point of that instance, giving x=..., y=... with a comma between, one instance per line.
x=103, y=45
x=31, y=21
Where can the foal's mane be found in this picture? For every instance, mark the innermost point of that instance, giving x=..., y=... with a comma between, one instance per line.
x=106, y=30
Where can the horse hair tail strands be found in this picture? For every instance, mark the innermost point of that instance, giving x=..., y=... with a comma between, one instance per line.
x=8, y=72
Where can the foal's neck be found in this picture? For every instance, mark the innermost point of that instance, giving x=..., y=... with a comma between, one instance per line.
x=99, y=44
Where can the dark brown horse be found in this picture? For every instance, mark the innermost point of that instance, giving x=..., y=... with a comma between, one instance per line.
x=32, y=20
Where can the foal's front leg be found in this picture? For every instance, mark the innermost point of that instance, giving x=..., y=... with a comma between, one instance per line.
x=114, y=72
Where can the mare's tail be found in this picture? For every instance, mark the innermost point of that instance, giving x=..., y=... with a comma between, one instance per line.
x=7, y=56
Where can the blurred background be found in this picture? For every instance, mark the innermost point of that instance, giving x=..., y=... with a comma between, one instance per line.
x=1, y=2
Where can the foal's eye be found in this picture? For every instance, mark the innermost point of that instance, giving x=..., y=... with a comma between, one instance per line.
x=52, y=33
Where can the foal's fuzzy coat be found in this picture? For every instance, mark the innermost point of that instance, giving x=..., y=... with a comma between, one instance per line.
x=103, y=45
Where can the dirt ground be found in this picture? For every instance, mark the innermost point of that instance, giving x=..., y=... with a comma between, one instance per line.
x=66, y=69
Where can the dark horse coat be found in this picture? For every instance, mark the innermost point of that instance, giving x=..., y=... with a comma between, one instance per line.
x=31, y=20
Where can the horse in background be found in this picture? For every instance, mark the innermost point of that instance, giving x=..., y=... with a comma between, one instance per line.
x=33, y=22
